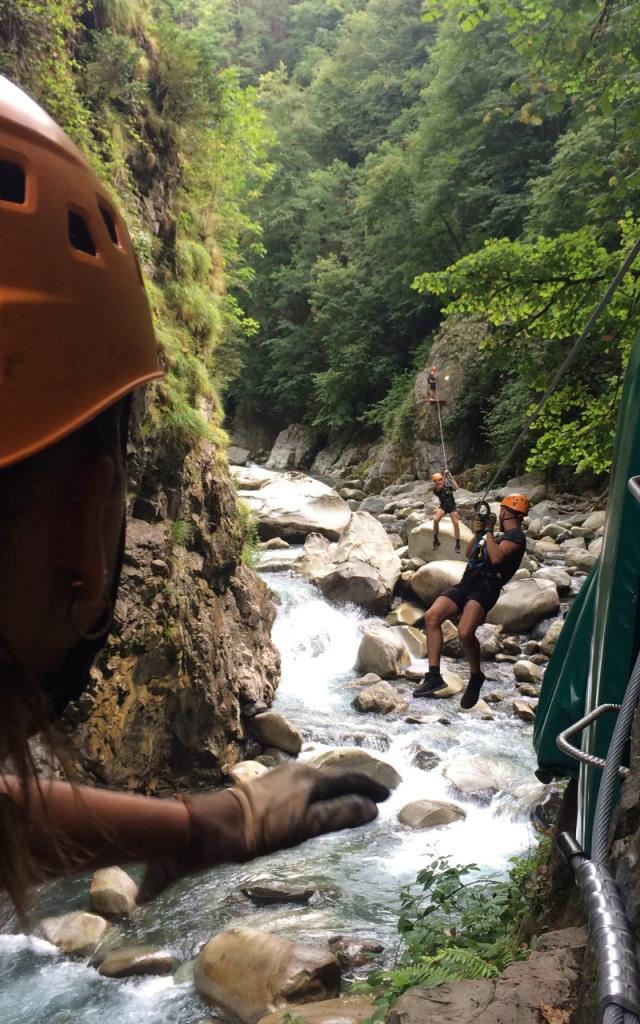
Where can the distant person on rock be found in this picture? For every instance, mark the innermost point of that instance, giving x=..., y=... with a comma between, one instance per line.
x=443, y=487
x=492, y=562
x=76, y=339
x=432, y=383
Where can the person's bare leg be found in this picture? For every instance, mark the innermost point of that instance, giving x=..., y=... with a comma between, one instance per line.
x=437, y=516
x=473, y=615
x=441, y=609
x=455, y=519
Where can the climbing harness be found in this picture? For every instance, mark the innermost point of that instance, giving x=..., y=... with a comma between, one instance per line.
x=612, y=938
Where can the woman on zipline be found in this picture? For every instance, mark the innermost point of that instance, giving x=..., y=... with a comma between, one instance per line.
x=443, y=487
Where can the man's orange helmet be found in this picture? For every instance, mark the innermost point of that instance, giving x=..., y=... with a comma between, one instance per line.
x=516, y=503
x=437, y=477
x=75, y=327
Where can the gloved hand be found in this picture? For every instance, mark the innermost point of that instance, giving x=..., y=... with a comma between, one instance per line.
x=478, y=524
x=273, y=812
x=492, y=519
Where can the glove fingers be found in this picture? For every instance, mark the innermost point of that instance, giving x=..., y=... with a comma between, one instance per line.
x=334, y=815
x=334, y=783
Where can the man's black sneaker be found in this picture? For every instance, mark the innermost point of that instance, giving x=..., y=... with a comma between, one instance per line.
x=471, y=695
x=432, y=681
x=436, y=542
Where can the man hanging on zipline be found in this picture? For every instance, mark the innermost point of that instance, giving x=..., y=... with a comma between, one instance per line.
x=432, y=382
x=443, y=487
x=492, y=561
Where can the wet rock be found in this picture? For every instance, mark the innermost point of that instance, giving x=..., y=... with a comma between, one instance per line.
x=430, y=580
x=421, y=542
x=539, y=659
x=413, y=639
x=136, y=961
x=527, y=672
x=529, y=689
x=584, y=560
x=248, y=972
x=426, y=760
x=245, y=771
x=510, y=646
x=352, y=953
x=545, y=812
x=265, y=895
x=272, y=757
x=356, y=759
x=574, y=544
x=381, y=698
x=368, y=680
x=113, y=893
x=595, y=521
x=273, y=730
x=473, y=776
x=382, y=651
x=531, y=647
x=490, y=639
x=479, y=710
x=551, y=637
x=362, y=569
x=294, y=505
x=506, y=658
x=274, y=544
x=451, y=644
x=423, y=814
x=76, y=934
x=495, y=698
x=405, y=614
x=349, y=1010
x=525, y=710
x=595, y=547
x=524, y=603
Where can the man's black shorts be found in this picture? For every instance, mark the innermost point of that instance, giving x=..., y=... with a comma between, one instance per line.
x=482, y=589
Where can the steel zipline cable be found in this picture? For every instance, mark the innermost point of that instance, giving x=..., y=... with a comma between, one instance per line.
x=444, y=453
x=571, y=355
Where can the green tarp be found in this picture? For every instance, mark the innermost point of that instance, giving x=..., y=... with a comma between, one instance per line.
x=594, y=656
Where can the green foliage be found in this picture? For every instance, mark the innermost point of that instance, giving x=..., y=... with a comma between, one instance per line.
x=455, y=924
x=249, y=530
x=180, y=532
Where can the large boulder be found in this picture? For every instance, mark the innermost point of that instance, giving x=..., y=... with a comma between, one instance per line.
x=363, y=568
x=113, y=892
x=251, y=973
x=473, y=776
x=405, y=614
x=524, y=603
x=551, y=637
x=350, y=1010
x=294, y=505
x=381, y=698
x=421, y=542
x=135, y=961
x=584, y=560
x=414, y=640
x=293, y=449
x=355, y=759
x=421, y=814
x=430, y=580
x=560, y=579
x=76, y=934
x=272, y=729
x=382, y=651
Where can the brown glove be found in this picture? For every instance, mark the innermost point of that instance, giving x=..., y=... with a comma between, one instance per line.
x=273, y=812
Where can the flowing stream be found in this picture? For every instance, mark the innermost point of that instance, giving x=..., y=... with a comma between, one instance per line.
x=357, y=875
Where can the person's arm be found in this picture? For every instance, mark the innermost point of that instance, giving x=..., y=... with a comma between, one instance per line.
x=498, y=552
x=453, y=482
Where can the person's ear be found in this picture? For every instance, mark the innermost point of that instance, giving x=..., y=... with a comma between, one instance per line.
x=86, y=524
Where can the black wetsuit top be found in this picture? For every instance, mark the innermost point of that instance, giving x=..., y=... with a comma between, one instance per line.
x=445, y=496
x=431, y=381
x=479, y=563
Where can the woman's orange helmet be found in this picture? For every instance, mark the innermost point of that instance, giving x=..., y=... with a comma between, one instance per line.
x=75, y=327
x=437, y=477
x=516, y=503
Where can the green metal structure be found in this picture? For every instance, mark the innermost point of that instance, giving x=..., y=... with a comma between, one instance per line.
x=599, y=642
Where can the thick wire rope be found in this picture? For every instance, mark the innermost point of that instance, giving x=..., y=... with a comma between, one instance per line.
x=571, y=355
x=444, y=453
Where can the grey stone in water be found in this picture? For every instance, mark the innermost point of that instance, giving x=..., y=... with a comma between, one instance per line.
x=263, y=895
x=539, y=659
x=422, y=814
x=510, y=646
x=77, y=934
x=368, y=680
x=524, y=710
x=136, y=961
x=531, y=647
x=357, y=760
x=380, y=698
x=113, y=892
x=354, y=952
x=511, y=658
x=273, y=730
x=426, y=760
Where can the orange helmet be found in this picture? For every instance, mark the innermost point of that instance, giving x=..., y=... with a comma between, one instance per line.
x=75, y=327
x=516, y=503
x=437, y=477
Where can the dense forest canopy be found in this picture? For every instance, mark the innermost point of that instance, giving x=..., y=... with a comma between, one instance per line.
x=314, y=185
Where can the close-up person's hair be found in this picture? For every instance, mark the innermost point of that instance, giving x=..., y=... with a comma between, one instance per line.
x=26, y=711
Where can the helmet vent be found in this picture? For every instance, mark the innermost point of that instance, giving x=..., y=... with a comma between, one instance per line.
x=12, y=183
x=110, y=225
x=79, y=234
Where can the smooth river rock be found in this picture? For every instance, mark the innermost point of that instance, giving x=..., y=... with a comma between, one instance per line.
x=422, y=814
x=551, y=637
x=382, y=651
x=406, y=614
x=252, y=973
x=472, y=776
x=349, y=1010
x=265, y=895
x=355, y=759
x=523, y=603
x=420, y=542
x=430, y=580
x=76, y=934
x=136, y=961
x=272, y=729
x=113, y=892
x=584, y=560
x=294, y=505
x=380, y=698
x=528, y=672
